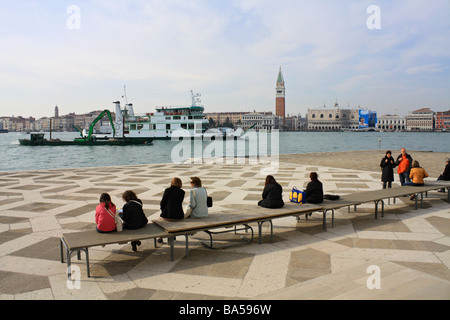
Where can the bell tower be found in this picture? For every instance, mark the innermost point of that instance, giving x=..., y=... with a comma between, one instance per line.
x=280, y=106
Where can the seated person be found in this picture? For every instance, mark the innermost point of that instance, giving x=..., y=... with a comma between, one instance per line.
x=133, y=215
x=314, y=189
x=416, y=175
x=172, y=202
x=197, y=207
x=104, y=214
x=272, y=194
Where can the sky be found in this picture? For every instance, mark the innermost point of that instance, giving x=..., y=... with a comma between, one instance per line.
x=392, y=57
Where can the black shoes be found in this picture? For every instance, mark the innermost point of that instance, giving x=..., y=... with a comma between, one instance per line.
x=134, y=245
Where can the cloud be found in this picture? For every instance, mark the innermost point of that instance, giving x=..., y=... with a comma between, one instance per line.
x=228, y=50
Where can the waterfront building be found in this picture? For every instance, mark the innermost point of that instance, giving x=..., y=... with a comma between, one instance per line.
x=421, y=120
x=443, y=120
x=280, y=103
x=262, y=121
x=391, y=122
x=336, y=119
x=220, y=118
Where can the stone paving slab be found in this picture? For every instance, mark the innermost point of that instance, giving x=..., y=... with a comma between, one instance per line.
x=411, y=247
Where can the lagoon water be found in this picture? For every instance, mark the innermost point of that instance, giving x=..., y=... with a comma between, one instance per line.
x=14, y=157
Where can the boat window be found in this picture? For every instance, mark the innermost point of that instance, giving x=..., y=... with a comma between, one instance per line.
x=132, y=127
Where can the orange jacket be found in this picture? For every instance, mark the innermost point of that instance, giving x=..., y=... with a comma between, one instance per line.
x=403, y=165
x=417, y=175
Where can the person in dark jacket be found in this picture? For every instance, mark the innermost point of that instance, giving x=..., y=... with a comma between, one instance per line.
x=133, y=214
x=314, y=189
x=172, y=201
x=388, y=165
x=272, y=194
x=446, y=174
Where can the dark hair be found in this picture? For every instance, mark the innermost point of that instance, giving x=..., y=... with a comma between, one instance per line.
x=196, y=182
x=129, y=195
x=389, y=151
x=176, y=182
x=313, y=176
x=106, y=199
x=269, y=180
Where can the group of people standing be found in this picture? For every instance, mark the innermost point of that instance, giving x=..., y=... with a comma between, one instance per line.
x=409, y=171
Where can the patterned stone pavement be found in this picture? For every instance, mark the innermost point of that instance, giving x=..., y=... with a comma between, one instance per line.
x=411, y=248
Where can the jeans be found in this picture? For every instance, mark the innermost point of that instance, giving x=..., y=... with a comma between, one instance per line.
x=404, y=177
x=413, y=184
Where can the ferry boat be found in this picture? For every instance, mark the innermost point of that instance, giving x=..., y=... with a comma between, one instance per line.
x=163, y=124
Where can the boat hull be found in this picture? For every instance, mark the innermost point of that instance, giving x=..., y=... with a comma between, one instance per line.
x=84, y=142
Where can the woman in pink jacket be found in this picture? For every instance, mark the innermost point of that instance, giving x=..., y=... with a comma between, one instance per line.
x=104, y=219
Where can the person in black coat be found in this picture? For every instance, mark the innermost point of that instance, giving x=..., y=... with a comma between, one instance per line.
x=172, y=201
x=387, y=164
x=133, y=215
x=446, y=174
x=314, y=189
x=272, y=194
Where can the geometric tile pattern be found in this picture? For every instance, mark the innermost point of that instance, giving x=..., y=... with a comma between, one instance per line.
x=412, y=247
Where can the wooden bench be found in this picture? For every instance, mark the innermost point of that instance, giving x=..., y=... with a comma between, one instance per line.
x=377, y=196
x=82, y=241
x=229, y=219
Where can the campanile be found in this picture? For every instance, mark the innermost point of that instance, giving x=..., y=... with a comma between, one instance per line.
x=280, y=107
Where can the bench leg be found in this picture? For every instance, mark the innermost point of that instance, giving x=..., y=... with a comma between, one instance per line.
x=376, y=209
x=332, y=218
x=416, y=195
x=187, y=244
x=171, y=241
x=324, y=220
x=260, y=223
x=61, y=250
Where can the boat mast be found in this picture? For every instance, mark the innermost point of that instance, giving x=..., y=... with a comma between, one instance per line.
x=195, y=98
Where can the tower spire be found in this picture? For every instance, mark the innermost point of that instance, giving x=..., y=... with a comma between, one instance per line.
x=280, y=107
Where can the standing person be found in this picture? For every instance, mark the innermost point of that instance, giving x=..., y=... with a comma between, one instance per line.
x=104, y=214
x=172, y=201
x=388, y=165
x=446, y=174
x=314, y=189
x=272, y=194
x=417, y=175
x=133, y=215
x=197, y=199
x=404, y=162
